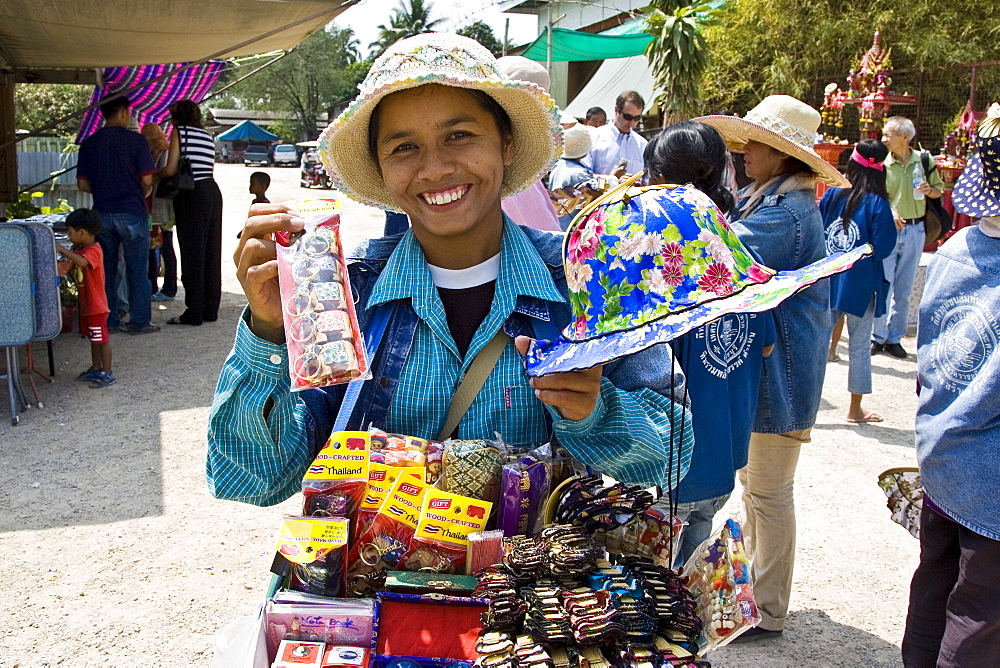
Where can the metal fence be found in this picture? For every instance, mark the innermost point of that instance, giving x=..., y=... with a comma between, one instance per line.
x=942, y=93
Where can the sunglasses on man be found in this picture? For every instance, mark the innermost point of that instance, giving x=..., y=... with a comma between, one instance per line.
x=629, y=117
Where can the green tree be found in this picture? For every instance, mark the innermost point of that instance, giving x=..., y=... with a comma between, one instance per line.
x=406, y=21
x=483, y=33
x=678, y=54
x=36, y=105
x=763, y=47
x=315, y=77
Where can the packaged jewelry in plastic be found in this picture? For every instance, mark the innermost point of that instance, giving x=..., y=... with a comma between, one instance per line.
x=654, y=534
x=316, y=547
x=380, y=480
x=718, y=576
x=382, y=545
x=325, y=345
x=334, y=484
x=440, y=542
x=408, y=452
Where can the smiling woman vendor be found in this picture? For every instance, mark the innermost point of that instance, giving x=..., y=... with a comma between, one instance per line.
x=440, y=134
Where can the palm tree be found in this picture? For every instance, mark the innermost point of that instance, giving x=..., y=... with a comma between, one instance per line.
x=406, y=21
x=678, y=54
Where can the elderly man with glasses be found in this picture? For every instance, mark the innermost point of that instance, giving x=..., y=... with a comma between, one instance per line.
x=908, y=185
x=617, y=147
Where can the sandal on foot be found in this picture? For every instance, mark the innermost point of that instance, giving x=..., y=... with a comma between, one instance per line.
x=176, y=320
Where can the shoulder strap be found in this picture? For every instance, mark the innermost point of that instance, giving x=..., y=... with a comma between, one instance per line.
x=473, y=381
x=928, y=164
x=373, y=338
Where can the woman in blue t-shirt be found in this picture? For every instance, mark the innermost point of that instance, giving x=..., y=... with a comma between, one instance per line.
x=851, y=217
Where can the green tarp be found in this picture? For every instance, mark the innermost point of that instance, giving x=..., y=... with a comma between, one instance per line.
x=572, y=45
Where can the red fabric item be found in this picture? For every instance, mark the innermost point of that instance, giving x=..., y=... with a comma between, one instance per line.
x=93, y=300
x=94, y=327
x=424, y=629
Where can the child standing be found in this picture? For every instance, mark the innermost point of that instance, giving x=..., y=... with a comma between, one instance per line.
x=853, y=216
x=259, y=182
x=84, y=225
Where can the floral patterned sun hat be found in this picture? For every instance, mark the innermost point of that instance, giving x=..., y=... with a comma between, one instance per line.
x=448, y=60
x=647, y=264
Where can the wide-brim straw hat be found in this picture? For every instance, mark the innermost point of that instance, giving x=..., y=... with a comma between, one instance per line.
x=645, y=265
x=577, y=141
x=450, y=60
x=977, y=192
x=786, y=125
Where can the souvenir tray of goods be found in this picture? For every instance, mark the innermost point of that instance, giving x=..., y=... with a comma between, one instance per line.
x=488, y=559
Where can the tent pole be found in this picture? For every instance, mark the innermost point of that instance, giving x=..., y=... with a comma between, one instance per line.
x=141, y=84
x=8, y=153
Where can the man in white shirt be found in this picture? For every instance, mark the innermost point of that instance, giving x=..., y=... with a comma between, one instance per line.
x=617, y=142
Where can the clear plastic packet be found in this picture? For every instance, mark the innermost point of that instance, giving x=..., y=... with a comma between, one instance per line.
x=525, y=485
x=334, y=484
x=718, y=576
x=325, y=343
x=340, y=621
x=472, y=468
x=440, y=542
x=654, y=535
x=316, y=548
x=380, y=548
x=381, y=478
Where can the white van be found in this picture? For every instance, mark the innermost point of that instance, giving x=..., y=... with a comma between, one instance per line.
x=285, y=154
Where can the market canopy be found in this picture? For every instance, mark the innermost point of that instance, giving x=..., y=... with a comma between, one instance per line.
x=246, y=131
x=573, y=45
x=607, y=84
x=62, y=41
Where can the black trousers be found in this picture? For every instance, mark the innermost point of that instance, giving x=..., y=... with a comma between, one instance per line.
x=954, y=612
x=166, y=251
x=199, y=235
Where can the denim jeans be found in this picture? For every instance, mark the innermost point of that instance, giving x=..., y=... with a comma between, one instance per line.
x=900, y=269
x=859, y=351
x=132, y=234
x=699, y=516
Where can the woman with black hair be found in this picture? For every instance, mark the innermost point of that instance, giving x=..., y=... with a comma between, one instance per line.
x=723, y=360
x=199, y=216
x=853, y=216
x=695, y=153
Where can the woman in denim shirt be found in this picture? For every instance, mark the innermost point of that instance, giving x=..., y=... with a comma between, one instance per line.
x=777, y=218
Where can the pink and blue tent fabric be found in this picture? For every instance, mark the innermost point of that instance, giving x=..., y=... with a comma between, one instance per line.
x=151, y=104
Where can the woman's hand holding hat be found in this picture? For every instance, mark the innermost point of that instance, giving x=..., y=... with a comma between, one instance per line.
x=257, y=266
x=572, y=393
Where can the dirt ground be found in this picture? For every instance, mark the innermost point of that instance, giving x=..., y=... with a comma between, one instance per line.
x=114, y=554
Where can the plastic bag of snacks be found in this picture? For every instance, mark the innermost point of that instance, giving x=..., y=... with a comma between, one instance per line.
x=440, y=542
x=718, y=576
x=316, y=548
x=407, y=451
x=334, y=484
x=325, y=345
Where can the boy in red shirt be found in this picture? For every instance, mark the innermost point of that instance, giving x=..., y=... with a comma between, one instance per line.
x=84, y=225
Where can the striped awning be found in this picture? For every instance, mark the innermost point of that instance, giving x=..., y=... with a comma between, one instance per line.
x=151, y=104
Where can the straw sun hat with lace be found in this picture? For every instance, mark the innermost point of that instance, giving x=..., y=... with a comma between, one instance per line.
x=449, y=60
x=786, y=125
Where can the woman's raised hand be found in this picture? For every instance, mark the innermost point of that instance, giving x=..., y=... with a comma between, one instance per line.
x=257, y=266
x=572, y=393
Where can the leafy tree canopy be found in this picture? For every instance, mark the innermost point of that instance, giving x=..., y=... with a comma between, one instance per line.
x=762, y=47
x=320, y=74
x=36, y=105
x=483, y=33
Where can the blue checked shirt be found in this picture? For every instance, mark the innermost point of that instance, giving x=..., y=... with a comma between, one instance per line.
x=628, y=435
